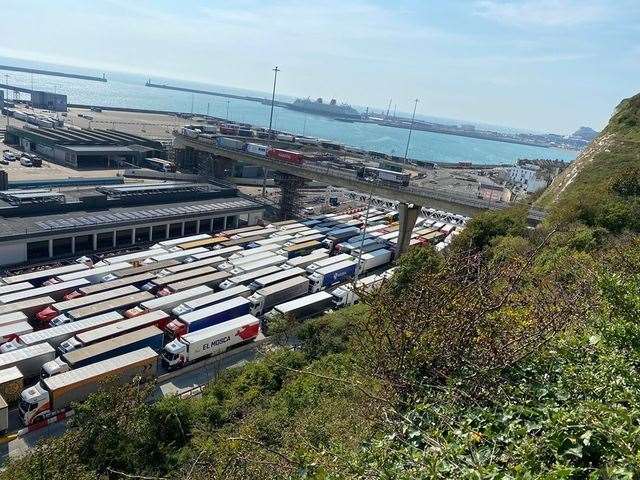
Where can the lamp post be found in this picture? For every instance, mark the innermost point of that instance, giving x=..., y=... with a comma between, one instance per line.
x=273, y=100
x=413, y=117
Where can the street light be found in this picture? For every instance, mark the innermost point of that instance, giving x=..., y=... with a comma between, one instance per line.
x=413, y=117
x=273, y=99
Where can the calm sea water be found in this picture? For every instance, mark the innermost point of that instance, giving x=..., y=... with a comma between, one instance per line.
x=128, y=90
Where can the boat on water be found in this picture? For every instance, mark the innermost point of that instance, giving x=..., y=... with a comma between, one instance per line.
x=319, y=107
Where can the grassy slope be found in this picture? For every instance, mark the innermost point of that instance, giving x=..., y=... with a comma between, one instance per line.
x=617, y=147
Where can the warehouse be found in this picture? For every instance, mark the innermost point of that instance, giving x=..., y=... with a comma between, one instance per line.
x=44, y=224
x=84, y=149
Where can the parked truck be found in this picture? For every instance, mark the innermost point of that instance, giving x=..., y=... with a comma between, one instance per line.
x=133, y=280
x=56, y=291
x=371, y=260
x=258, y=265
x=159, y=283
x=346, y=295
x=306, y=260
x=168, y=302
x=326, y=276
x=28, y=307
x=13, y=317
x=11, y=331
x=39, y=276
x=209, y=341
x=329, y=261
x=223, y=252
x=302, y=307
x=265, y=281
x=151, y=337
x=232, y=263
x=279, y=240
x=158, y=319
x=54, y=336
x=178, y=255
x=211, y=261
x=247, y=278
x=53, y=395
x=135, y=271
x=28, y=359
x=266, y=298
x=299, y=249
x=53, y=313
x=191, y=305
x=205, y=317
x=120, y=303
x=212, y=281
x=254, y=251
x=334, y=237
x=91, y=275
x=15, y=287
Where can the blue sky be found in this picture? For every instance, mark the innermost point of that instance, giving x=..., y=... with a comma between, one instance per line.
x=547, y=65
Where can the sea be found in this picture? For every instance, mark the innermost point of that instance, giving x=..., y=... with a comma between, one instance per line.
x=129, y=90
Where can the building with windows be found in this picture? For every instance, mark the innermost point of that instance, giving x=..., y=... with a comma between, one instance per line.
x=494, y=193
x=530, y=178
x=44, y=224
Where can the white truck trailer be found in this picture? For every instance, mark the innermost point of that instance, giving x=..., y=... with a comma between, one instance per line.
x=225, y=252
x=168, y=302
x=56, y=291
x=276, y=277
x=55, y=394
x=54, y=336
x=303, y=307
x=115, y=304
x=328, y=261
x=346, y=295
x=306, y=260
x=13, y=317
x=29, y=359
x=266, y=298
x=209, y=341
x=191, y=305
x=40, y=276
x=11, y=384
x=28, y=307
x=276, y=260
x=212, y=281
x=247, y=278
x=15, y=287
x=232, y=263
x=11, y=331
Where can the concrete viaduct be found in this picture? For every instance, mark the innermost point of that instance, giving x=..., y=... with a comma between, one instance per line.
x=411, y=199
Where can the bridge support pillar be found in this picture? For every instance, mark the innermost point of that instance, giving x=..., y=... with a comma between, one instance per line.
x=289, y=195
x=408, y=216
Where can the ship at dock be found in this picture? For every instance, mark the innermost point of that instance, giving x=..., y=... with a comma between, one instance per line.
x=319, y=107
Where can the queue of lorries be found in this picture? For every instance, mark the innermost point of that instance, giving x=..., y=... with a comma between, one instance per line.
x=65, y=330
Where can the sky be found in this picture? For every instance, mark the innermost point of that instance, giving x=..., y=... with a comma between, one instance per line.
x=544, y=65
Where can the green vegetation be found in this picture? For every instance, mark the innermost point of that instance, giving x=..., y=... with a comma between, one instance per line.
x=513, y=355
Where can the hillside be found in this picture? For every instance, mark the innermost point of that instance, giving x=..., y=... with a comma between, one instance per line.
x=614, y=150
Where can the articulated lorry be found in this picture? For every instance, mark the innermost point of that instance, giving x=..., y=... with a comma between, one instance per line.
x=133, y=272
x=346, y=295
x=211, y=261
x=15, y=287
x=306, y=260
x=212, y=280
x=89, y=337
x=209, y=341
x=28, y=307
x=302, y=307
x=328, y=261
x=56, y=291
x=178, y=255
x=53, y=395
x=115, y=304
x=168, y=302
x=223, y=252
x=205, y=317
x=151, y=337
x=299, y=249
x=11, y=331
x=91, y=275
x=326, y=276
x=276, y=277
x=254, y=251
x=247, y=278
x=191, y=305
x=270, y=242
x=232, y=263
x=11, y=384
x=159, y=283
x=334, y=237
x=134, y=280
x=266, y=298
x=52, y=314
x=258, y=265
x=28, y=359
x=13, y=317
x=54, y=336
x=40, y=276
x=167, y=244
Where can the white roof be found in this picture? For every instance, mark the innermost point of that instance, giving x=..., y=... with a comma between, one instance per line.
x=15, y=287
x=335, y=267
x=213, y=309
x=52, y=272
x=319, y=254
x=223, y=327
x=66, y=328
x=131, y=256
x=255, y=274
x=302, y=301
x=250, y=259
x=13, y=317
x=15, y=329
x=178, y=241
x=94, y=271
x=181, y=267
x=9, y=374
x=35, y=292
x=273, y=240
x=218, y=296
x=276, y=287
x=95, y=298
x=264, y=262
x=283, y=274
x=11, y=358
x=99, y=368
x=24, y=304
x=121, y=326
x=176, y=297
x=178, y=254
x=376, y=253
x=331, y=260
x=254, y=251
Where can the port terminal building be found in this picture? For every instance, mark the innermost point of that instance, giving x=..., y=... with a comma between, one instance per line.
x=41, y=224
x=84, y=149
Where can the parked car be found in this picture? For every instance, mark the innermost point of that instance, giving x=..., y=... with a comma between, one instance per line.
x=8, y=155
x=26, y=162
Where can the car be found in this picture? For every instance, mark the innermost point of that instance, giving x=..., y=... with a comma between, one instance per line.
x=26, y=162
x=8, y=155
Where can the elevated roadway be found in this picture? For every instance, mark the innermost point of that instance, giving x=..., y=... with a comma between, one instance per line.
x=428, y=197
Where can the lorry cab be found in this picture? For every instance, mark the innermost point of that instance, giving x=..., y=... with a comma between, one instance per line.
x=257, y=304
x=53, y=367
x=11, y=346
x=69, y=345
x=34, y=403
x=174, y=354
x=175, y=329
